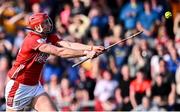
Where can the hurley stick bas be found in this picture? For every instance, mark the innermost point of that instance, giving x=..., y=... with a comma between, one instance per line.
x=109, y=47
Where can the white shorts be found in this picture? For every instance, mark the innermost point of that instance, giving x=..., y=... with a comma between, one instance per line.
x=19, y=96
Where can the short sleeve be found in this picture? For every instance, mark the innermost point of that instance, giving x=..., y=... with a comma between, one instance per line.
x=33, y=42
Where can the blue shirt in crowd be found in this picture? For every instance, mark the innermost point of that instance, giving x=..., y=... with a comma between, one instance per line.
x=129, y=14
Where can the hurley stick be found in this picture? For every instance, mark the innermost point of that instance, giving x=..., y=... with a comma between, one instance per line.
x=123, y=40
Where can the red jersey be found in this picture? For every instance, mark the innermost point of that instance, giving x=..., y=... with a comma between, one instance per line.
x=29, y=62
x=140, y=87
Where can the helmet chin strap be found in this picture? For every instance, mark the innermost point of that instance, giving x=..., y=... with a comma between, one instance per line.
x=38, y=28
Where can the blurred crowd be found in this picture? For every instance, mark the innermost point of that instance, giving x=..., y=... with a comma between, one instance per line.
x=141, y=74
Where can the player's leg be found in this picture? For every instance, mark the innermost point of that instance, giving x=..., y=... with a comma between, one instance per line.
x=17, y=96
x=28, y=108
x=43, y=102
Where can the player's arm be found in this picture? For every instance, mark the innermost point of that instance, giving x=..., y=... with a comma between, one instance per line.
x=64, y=52
x=73, y=45
x=79, y=46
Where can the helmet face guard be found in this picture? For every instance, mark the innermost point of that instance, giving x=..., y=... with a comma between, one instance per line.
x=41, y=23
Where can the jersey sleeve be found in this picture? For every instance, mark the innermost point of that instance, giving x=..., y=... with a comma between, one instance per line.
x=33, y=42
x=54, y=38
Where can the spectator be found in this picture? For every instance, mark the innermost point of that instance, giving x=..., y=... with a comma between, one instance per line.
x=65, y=15
x=163, y=93
x=95, y=35
x=139, y=87
x=146, y=105
x=86, y=83
x=157, y=7
x=4, y=66
x=51, y=68
x=118, y=56
x=99, y=19
x=115, y=33
x=3, y=71
x=7, y=11
x=135, y=60
x=5, y=44
x=177, y=77
x=74, y=105
x=146, y=54
x=72, y=73
x=36, y=8
x=18, y=42
x=122, y=92
x=168, y=77
x=105, y=88
x=66, y=92
x=109, y=105
x=177, y=27
x=176, y=32
x=105, y=7
x=173, y=60
x=147, y=20
x=160, y=49
x=82, y=95
x=129, y=13
x=77, y=8
x=53, y=88
x=111, y=24
x=79, y=25
x=162, y=36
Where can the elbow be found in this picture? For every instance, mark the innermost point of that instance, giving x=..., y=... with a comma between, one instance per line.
x=61, y=54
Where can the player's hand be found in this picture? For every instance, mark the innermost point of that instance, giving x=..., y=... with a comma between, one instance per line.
x=98, y=49
x=90, y=54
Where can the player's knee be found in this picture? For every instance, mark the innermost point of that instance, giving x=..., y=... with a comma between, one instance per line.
x=46, y=107
x=43, y=102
